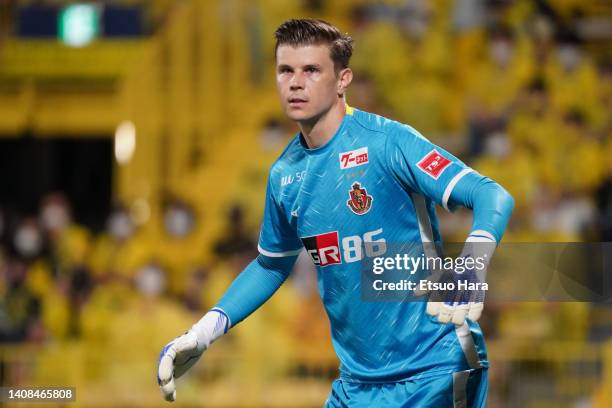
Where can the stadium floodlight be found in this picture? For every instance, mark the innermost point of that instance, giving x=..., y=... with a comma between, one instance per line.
x=79, y=24
x=125, y=141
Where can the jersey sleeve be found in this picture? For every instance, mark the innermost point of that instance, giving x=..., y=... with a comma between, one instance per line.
x=277, y=237
x=491, y=203
x=421, y=166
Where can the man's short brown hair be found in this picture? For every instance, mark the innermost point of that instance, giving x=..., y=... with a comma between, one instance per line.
x=313, y=32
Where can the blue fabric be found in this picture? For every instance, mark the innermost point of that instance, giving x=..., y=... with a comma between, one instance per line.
x=434, y=391
x=492, y=205
x=479, y=343
x=375, y=181
x=259, y=280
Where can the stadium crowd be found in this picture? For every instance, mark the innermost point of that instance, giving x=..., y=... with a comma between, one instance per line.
x=516, y=89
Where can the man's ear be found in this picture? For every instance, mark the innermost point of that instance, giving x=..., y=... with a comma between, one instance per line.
x=345, y=77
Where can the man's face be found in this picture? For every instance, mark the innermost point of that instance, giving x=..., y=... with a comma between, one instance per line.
x=306, y=81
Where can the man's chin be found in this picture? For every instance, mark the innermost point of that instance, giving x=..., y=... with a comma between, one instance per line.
x=298, y=115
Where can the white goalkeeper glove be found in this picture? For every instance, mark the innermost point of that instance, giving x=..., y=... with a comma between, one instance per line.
x=458, y=304
x=182, y=353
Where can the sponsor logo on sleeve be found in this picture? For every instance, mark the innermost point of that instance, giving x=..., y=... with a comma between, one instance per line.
x=353, y=158
x=433, y=164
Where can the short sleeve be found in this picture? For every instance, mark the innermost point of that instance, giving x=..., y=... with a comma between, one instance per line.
x=277, y=237
x=421, y=166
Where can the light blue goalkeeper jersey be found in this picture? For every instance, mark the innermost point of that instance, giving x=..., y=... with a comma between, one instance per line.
x=377, y=181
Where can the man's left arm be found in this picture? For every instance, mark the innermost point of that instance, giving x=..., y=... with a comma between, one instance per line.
x=421, y=166
x=426, y=169
x=491, y=206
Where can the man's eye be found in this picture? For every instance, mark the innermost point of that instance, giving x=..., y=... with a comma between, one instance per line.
x=311, y=69
x=284, y=70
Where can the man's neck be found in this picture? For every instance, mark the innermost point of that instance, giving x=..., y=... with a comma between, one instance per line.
x=318, y=131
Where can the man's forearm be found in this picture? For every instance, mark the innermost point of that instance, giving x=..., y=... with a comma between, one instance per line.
x=256, y=284
x=491, y=205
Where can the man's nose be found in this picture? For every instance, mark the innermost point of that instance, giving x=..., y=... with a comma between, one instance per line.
x=297, y=82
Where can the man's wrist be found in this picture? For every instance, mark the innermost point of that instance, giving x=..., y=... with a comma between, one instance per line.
x=210, y=327
x=480, y=244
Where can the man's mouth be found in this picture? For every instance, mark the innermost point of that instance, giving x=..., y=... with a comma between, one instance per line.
x=297, y=102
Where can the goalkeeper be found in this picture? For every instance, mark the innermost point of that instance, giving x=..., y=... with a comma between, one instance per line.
x=367, y=181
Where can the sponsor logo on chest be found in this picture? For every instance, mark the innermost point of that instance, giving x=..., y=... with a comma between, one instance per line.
x=324, y=249
x=290, y=178
x=353, y=158
x=328, y=249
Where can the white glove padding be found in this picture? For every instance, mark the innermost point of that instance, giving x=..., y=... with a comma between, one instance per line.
x=455, y=305
x=182, y=353
x=455, y=312
x=176, y=358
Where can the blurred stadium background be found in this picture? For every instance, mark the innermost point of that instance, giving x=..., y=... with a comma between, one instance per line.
x=135, y=138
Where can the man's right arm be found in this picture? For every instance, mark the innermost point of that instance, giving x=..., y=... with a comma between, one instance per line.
x=256, y=284
x=278, y=246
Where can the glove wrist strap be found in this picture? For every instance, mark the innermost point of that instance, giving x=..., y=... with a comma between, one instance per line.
x=210, y=327
x=480, y=244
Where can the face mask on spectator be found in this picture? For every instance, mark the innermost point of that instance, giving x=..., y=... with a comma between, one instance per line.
x=178, y=222
x=28, y=241
x=498, y=145
x=416, y=28
x=501, y=52
x=150, y=281
x=120, y=226
x=54, y=217
x=569, y=57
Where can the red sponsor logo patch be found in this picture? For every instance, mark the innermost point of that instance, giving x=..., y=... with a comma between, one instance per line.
x=324, y=249
x=353, y=158
x=433, y=164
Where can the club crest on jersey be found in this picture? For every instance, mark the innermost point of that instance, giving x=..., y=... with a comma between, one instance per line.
x=353, y=158
x=359, y=201
x=433, y=164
